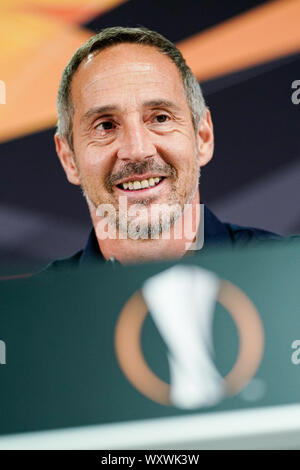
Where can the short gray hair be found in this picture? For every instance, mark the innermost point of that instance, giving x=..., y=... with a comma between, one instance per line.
x=117, y=35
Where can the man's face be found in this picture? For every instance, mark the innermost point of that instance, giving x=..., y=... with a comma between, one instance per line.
x=132, y=129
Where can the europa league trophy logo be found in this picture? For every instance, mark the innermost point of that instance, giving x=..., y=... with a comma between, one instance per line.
x=181, y=301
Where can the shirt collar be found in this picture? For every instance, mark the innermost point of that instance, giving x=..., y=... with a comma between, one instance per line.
x=215, y=231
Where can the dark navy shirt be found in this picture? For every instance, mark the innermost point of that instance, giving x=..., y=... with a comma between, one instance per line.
x=215, y=233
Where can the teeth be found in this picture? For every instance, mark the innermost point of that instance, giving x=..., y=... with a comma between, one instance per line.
x=144, y=184
x=136, y=185
x=133, y=185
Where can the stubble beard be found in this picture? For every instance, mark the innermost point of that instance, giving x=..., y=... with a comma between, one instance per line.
x=145, y=225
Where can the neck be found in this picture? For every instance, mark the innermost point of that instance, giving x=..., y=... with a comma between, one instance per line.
x=179, y=239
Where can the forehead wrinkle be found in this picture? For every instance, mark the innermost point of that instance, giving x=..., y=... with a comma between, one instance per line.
x=91, y=92
x=109, y=71
x=159, y=101
x=112, y=87
x=130, y=81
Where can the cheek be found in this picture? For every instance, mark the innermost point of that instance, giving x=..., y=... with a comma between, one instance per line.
x=180, y=147
x=184, y=158
x=94, y=163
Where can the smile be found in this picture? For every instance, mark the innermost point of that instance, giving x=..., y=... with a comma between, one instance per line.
x=136, y=185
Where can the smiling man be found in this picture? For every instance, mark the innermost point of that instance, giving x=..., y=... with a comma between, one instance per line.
x=133, y=132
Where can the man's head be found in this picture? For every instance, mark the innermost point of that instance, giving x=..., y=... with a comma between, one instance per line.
x=132, y=115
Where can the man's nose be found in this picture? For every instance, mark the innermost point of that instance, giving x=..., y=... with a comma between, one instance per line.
x=136, y=143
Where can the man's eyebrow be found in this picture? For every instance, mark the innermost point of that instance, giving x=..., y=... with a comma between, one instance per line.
x=162, y=104
x=99, y=110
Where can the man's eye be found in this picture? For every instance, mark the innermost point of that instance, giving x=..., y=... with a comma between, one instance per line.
x=105, y=126
x=161, y=118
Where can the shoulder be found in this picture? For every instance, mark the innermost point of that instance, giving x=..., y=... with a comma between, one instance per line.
x=217, y=231
x=64, y=263
x=241, y=235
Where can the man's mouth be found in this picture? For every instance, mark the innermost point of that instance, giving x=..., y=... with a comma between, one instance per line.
x=136, y=185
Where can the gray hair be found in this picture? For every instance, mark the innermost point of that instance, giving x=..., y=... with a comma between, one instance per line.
x=117, y=35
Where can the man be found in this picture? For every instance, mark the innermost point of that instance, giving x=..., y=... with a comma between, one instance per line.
x=133, y=131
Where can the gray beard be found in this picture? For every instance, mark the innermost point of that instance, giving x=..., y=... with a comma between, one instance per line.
x=129, y=227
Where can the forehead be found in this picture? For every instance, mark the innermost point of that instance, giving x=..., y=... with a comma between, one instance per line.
x=126, y=71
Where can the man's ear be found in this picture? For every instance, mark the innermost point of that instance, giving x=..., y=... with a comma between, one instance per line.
x=205, y=138
x=66, y=156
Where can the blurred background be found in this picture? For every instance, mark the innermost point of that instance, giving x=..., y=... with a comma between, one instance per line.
x=245, y=54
